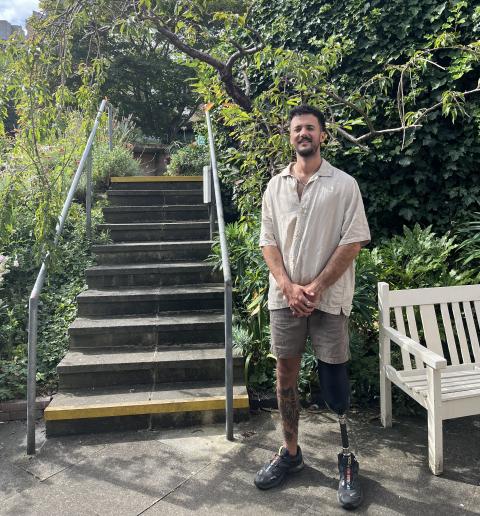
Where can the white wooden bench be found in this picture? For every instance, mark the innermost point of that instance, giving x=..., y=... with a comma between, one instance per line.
x=437, y=330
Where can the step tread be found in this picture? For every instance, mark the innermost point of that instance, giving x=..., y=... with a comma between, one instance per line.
x=136, y=400
x=155, y=179
x=146, y=293
x=104, y=360
x=155, y=207
x=149, y=246
x=149, y=192
x=160, y=320
x=154, y=225
x=142, y=267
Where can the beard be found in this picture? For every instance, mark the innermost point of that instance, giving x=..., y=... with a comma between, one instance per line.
x=307, y=151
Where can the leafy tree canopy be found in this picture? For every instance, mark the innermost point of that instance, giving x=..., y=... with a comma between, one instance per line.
x=398, y=82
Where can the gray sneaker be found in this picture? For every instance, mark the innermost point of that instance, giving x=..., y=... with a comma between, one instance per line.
x=274, y=472
x=350, y=494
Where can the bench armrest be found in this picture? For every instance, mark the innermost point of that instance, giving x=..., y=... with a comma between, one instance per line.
x=417, y=350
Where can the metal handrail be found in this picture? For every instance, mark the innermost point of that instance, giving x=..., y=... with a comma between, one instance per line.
x=227, y=279
x=86, y=159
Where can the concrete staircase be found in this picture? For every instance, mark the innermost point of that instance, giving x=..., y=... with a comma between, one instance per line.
x=147, y=347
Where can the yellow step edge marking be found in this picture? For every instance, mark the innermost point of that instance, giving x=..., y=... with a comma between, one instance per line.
x=143, y=407
x=154, y=179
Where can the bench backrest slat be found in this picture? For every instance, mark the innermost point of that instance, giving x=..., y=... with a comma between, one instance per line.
x=461, y=334
x=400, y=323
x=434, y=296
x=472, y=332
x=447, y=324
x=412, y=328
x=477, y=309
x=430, y=328
x=445, y=319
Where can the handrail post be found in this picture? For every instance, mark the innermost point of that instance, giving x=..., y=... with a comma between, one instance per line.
x=228, y=361
x=88, y=197
x=31, y=374
x=211, y=210
x=37, y=288
x=228, y=284
x=32, y=358
x=110, y=127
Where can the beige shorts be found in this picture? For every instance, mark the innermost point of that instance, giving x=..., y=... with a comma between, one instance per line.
x=328, y=334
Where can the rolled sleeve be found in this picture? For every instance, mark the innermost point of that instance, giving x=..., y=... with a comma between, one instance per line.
x=267, y=236
x=355, y=226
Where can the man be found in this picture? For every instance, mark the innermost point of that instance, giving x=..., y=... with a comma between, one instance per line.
x=313, y=227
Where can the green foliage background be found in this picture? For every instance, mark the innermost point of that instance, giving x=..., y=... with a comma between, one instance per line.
x=435, y=179
x=312, y=51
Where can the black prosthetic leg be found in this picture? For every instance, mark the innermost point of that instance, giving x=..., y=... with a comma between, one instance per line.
x=335, y=386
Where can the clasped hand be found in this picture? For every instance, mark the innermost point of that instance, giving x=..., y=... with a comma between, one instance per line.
x=301, y=299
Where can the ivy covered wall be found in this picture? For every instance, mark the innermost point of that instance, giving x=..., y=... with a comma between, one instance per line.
x=435, y=178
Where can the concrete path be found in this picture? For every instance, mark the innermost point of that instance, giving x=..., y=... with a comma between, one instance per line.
x=196, y=471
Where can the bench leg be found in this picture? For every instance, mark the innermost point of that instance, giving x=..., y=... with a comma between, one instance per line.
x=435, y=422
x=385, y=399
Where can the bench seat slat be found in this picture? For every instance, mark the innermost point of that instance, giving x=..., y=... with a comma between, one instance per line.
x=473, y=393
x=449, y=372
x=453, y=387
x=451, y=382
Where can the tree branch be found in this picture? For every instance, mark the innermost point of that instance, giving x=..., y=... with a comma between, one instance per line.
x=224, y=70
x=354, y=107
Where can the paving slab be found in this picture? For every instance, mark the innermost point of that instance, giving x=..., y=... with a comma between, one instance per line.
x=197, y=471
x=121, y=478
x=13, y=480
x=206, y=442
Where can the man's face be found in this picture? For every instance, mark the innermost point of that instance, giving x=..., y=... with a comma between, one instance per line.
x=306, y=135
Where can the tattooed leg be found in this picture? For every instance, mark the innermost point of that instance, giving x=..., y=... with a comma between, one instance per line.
x=287, y=395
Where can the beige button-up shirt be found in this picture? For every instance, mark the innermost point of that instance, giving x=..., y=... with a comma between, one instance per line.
x=308, y=230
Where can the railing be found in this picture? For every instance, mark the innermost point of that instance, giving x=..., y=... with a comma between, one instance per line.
x=227, y=276
x=86, y=160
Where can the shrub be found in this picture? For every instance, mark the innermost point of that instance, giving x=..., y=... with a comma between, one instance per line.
x=106, y=164
x=469, y=248
x=418, y=258
x=188, y=161
x=57, y=308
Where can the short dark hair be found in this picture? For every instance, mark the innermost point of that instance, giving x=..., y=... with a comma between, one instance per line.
x=305, y=109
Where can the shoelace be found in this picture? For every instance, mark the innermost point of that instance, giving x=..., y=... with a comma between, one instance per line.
x=276, y=458
x=347, y=473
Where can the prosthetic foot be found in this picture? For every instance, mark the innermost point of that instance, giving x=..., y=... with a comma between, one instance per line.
x=335, y=387
x=349, y=494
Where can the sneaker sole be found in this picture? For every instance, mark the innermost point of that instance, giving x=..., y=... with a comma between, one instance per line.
x=277, y=482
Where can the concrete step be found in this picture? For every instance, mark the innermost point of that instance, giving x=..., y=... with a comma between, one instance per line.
x=157, y=231
x=151, y=274
x=154, y=197
x=157, y=183
x=147, y=331
x=150, y=300
x=106, y=368
x=130, y=214
x=151, y=252
x=137, y=407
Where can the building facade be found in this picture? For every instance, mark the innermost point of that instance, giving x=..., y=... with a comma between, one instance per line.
x=7, y=29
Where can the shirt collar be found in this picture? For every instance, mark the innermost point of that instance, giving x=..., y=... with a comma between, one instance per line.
x=325, y=170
